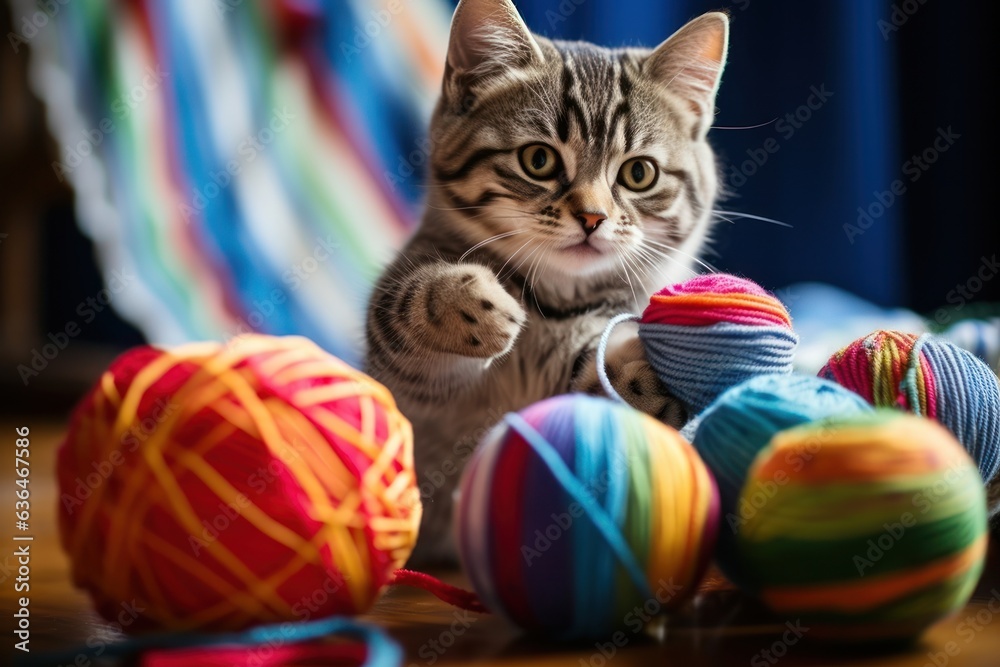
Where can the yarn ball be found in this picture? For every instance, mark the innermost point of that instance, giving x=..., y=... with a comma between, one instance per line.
x=741, y=422
x=931, y=377
x=220, y=486
x=579, y=515
x=712, y=332
x=875, y=534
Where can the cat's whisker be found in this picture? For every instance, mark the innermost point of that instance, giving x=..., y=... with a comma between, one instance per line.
x=621, y=260
x=753, y=217
x=744, y=127
x=517, y=268
x=525, y=284
x=490, y=240
x=648, y=261
x=640, y=262
x=655, y=263
x=476, y=207
x=536, y=253
x=671, y=248
x=454, y=208
x=644, y=268
x=540, y=252
x=500, y=272
x=618, y=255
x=694, y=272
x=530, y=278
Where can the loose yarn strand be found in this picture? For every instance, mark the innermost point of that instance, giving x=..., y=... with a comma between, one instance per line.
x=909, y=385
x=602, y=350
x=382, y=651
x=568, y=481
x=453, y=595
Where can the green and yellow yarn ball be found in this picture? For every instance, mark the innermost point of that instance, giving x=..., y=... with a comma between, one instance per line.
x=874, y=525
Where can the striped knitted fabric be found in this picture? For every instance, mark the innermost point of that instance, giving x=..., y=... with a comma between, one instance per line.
x=252, y=164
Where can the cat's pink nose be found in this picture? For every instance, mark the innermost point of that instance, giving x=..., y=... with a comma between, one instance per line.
x=591, y=220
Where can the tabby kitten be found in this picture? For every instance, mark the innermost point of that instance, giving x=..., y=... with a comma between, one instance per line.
x=568, y=181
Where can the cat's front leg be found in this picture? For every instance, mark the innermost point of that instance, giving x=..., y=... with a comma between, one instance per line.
x=438, y=320
x=635, y=381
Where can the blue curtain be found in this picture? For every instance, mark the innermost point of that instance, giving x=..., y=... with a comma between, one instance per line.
x=811, y=167
x=854, y=90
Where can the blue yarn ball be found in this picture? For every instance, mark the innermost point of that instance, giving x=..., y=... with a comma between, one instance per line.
x=742, y=421
x=712, y=332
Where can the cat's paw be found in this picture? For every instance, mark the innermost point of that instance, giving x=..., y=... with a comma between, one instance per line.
x=468, y=312
x=636, y=382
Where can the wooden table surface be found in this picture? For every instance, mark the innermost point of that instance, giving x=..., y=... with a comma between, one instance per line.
x=720, y=627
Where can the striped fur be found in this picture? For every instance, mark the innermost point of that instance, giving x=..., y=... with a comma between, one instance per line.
x=498, y=299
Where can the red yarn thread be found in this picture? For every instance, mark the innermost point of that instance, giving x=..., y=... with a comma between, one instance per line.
x=317, y=653
x=453, y=595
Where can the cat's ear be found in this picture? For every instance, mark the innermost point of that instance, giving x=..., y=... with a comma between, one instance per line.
x=488, y=38
x=691, y=61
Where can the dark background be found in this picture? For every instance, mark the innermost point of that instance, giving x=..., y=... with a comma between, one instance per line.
x=895, y=84
x=892, y=94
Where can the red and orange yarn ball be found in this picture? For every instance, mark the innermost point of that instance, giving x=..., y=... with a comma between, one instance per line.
x=220, y=486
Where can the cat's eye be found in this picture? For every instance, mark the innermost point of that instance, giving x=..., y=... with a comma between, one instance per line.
x=539, y=161
x=638, y=174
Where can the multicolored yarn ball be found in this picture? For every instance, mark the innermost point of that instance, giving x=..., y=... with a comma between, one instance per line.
x=219, y=486
x=708, y=334
x=931, y=377
x=876, y=534
x=578, y=515
x=741, y=422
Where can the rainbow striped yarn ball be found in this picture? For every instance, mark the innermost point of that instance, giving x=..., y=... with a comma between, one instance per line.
x=216, y=487
x=876, y=534
x=712, y=332
x=741, y=423
x=579, y=517
x=931, y=377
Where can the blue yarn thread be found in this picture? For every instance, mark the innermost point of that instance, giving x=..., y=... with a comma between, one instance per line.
x=382, y=651
x=697, y=364
x=908, y=385
x=971, y=398
x=592, y=431
x=602, y=350
x=599, y=517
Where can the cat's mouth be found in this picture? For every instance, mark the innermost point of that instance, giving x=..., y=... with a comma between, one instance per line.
x=583, y=249
x=584, y=257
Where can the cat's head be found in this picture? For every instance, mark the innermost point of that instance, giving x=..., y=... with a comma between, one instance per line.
x=584, y=160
